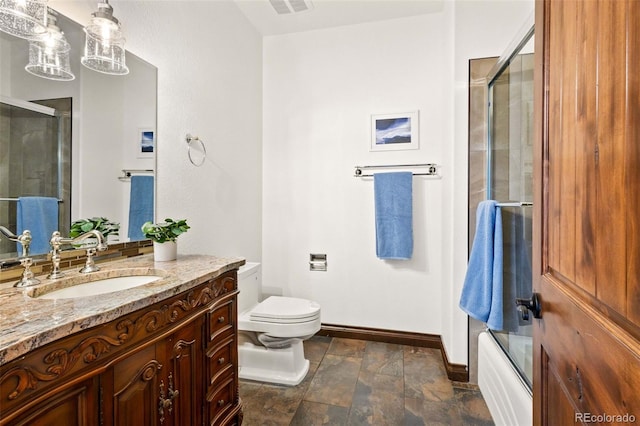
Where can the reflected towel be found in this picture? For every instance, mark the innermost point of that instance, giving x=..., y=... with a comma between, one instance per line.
x=394, y=215
x=40, y=216
x=516, y=263
x=481, y=296
x=140, y=205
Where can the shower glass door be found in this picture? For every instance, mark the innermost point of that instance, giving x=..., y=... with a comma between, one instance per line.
x=510, y=182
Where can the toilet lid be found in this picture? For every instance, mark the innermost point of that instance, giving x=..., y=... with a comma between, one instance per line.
x=285, y=310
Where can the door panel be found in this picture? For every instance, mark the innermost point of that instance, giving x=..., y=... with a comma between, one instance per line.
x=611, y=205
x=587, y=211
x=136, y=386
x=632, y=169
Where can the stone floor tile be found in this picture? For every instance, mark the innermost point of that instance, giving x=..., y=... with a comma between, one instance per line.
x=378, y=400
x=316, y=347
x=473, y=409
x=314, y=413
x=354, y=382
x=347, y=347
x=334, y=381
x=432, y=413
x=383, y=358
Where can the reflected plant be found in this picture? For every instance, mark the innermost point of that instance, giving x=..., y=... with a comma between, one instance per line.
x=102, y=224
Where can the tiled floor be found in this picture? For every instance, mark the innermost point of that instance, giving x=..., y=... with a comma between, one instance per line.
x=357, y=382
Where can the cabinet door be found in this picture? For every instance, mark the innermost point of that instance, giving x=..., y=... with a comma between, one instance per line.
x=131, y=390
x=182, y=378
x=72, y=406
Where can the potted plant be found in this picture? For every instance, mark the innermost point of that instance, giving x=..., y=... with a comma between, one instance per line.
x=164, y=236
x=102, y=224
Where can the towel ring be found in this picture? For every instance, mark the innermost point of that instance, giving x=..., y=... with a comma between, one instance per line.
x=190, y=139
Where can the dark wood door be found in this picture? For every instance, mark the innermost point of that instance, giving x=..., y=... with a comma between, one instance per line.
x=587, y=212
x=73, y=405
x=183, y=383
x=132, y=390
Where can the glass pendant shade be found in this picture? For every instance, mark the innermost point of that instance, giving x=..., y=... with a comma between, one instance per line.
x=24, y=18
x=49, y=57
x=104, y=45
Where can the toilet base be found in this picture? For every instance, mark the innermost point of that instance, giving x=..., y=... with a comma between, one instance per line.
x=282, y=366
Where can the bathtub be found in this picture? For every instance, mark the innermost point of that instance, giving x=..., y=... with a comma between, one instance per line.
x=506, y=394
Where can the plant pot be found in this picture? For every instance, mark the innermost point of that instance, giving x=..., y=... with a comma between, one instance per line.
x=163, y=252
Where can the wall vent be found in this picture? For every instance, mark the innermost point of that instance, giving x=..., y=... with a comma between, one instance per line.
x=291, y=6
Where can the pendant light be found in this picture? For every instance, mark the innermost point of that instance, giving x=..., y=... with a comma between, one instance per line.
x=104, y=45
x=49, y=56
x=24, y=18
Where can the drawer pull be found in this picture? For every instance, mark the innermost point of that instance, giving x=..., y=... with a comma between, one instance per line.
x=220, y=402
x=220, y=319
x=221, y=360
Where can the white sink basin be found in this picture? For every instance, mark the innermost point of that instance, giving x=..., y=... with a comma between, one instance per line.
x=103, y=286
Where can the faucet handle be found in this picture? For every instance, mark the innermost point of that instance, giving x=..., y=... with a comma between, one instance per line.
x=25, y=241
x=55, y=243
x=27, y=275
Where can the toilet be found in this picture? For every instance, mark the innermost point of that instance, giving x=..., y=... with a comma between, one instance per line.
x=271, y=331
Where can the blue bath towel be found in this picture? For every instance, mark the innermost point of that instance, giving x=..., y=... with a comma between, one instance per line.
x=140, y=205
x=394, y=215
x=40, y=216
x=481, y=296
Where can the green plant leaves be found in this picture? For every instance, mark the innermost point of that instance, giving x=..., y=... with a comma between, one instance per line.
x=102, y=224
x=169, y=230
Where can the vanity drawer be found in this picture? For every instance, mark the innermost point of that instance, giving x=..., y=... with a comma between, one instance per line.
x=221, y=359
x=221, y=400
x=221, y=320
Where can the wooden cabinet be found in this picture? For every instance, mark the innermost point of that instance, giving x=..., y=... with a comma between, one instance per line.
x=173, y=363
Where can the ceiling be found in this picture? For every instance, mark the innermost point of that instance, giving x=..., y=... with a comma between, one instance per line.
x=332, y=13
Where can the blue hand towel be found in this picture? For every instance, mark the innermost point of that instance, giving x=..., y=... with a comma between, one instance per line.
x=140, y=205
x=481, y=296
x=40, y=216
x=394, y=215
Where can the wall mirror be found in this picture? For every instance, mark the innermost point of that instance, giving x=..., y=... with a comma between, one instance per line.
x=101, y=135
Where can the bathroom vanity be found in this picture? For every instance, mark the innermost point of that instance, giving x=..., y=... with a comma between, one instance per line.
x=161, y=353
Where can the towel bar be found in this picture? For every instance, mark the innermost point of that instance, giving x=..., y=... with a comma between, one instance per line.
x=17, y=199
x=127, y=173
x=432, y=169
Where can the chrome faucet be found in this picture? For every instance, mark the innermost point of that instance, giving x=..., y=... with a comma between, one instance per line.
x=58, y=240
x=25, y=241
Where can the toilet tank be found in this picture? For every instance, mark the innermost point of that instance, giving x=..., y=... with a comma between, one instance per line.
x=250, y=285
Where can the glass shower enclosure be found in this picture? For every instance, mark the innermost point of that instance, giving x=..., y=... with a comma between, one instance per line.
x=510, y=182
x=35, y=145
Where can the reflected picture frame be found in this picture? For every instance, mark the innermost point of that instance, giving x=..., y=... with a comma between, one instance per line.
x=395, y=132
x=146, y=143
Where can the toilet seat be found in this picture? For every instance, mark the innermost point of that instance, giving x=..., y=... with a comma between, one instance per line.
x=282, y=317
x=285, y=310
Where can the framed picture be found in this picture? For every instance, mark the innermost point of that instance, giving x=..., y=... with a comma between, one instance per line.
x=393, y=132
x=146, y=143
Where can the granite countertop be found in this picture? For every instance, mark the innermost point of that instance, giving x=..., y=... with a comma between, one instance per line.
x=27, y=323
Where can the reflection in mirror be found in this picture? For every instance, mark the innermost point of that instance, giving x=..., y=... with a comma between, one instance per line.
x=36, y=142
x=102, y=125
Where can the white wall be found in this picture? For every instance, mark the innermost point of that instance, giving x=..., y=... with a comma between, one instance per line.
x=320, y=89
x=209, y=63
